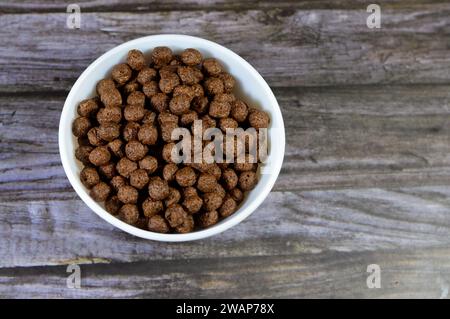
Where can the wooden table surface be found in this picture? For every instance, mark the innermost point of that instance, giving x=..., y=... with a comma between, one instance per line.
x=365, y=179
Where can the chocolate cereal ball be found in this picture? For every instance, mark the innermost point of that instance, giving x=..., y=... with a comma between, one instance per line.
x=169, y=171
x=104, y=86
x=111, y=98
x=225, y=97
x=121, y=73
x=159, y=102
x=212, y=67
x=173, y=198
x=139, y=178
x=131, y=87
x=167, y=152
x=150, y=88
x=247, y=164
x=228, y=81
x=180, y=104
x=230, y=178
x=116, y=147
x=158, y=189
x=136, y=98
x=185, y=177
x=189, y=75
x=228, y=123
x=109, y=115
x=219, y=190
x=94, y=138
x=214, y=86
x=208, y=219
x=125, y=167
x=193, y=203
x=161, y=55
x=136, y=59
x=188, y=118
x=89, y=177
x=237, y=194
x=191, y=57
x=148, y=134
x=239, y=111
x=149, y=117
x=187, y=225
x=130, y=131
x=228, y=207
x=113, y=205
x=129, y=213
x=81, y=126
x=82, y=154
x=100, y=192
x=149, y=163
x=128, y=194
x=184, y=89
x=135, y=150
x=219, y=109
x=152, y=207
x=212, y=201
x=206, y=183
x=108, y=171
x=175, y=215
x=189, y=191
x=146, y=75
x=200, y=104
x=158, y=224
x=88, y=107
x=168, y=82
x=134, y=113
x=258, y=119
x=99, y=156
x=198, y=90
x=247, y=180
x=108, y=131
x=117, y=182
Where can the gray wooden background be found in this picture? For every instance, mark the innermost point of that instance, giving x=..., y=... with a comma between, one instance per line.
x=367, y=166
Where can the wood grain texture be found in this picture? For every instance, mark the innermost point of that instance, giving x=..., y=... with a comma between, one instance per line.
x=291, y=47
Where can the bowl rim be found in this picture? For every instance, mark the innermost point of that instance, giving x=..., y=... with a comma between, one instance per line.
x=200, y=234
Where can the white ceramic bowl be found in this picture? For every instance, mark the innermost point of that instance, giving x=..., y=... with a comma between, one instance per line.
x=251, y=87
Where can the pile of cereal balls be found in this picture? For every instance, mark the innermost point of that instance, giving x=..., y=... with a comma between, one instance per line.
x=124, y=141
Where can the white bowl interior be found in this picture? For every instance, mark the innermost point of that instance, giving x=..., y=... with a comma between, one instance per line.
x=251, y=87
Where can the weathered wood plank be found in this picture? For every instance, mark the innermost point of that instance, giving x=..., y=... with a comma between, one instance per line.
x=418, y=273
x=291, y=47
x=354, y=220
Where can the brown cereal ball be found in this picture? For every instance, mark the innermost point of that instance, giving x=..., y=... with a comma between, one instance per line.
x=189, y=75
x=237, y=195
x=162, y=55
x=212, y=201
x=89, y=177
x=258, y=119
x=200, y=104
x=130, y=131
x=189, y=191
x=214, y=86
x=239, y=111
x=184, y=89
x=188, y=118
x=146, y=75
x=121, y=73
x=113, y=205
x=131, y=87
x=128, y=194
x=125, y=167
x=149, y=117
x=245, y=164
x=134, y=113
x=136, y=98
x=139, y=178
x=228, y=81
x=135, y=150
x=180, y=104
x=212, y=67
x=191, y=57
x=94, y=137
x=247, y=180
x=175, y=215
x=152, y=207
x=82, y=154
x=100, y=192
x=167, y=152
x=219, y=190
x=159, y=102
x=186, y=177
x=173, y=198
x=228, y=123
x=108, y=131
x=206, y=183
x=81, y=126
x=219, y=109
x=169, y=171
x=105, y=85
x=169, y=82
x=117, y=182
x=148, y=134
x=109, y=115
x=129, y=213
x=207, y=219
x=225, y=97
x=88, y=107
x=230, y=178
x=136, y=59
x=158, y=224
x=111, y=98
x=208, y=122
x=198, y=90
x=166, y=117
x=214, y=170
x=116, y=147
x=187, y=225
x=193, y=203
x=166, y=131
x=228, y=207
x=108, y=170
x=150, y=88
x=158, y=189
x=149, y=163
x=99, y=156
